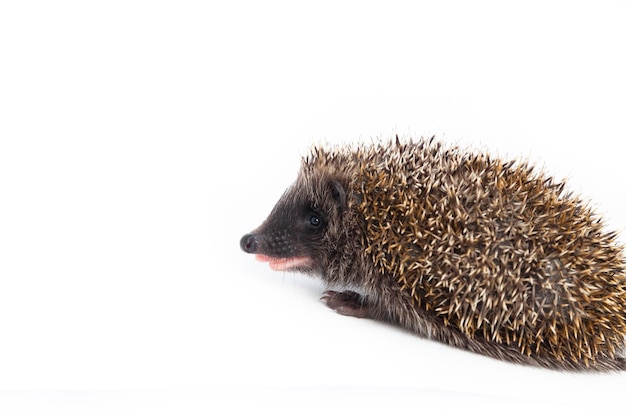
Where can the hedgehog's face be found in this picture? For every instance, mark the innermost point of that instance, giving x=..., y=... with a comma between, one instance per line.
x=295, y=234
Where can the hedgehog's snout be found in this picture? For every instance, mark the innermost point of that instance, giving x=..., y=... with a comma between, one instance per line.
x=277, y=245
x=249, y=243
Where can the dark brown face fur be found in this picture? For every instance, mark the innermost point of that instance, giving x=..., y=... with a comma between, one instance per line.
x=300, y=226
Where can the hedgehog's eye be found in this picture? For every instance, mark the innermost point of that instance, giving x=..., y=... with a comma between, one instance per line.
x=314, y=220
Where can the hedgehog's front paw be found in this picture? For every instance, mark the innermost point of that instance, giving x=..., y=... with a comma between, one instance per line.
x=347, y=303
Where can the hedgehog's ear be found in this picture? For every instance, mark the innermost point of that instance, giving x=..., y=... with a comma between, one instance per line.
x=338, y=193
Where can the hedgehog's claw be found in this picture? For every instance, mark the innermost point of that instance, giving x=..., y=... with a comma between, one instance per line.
x=347, y=303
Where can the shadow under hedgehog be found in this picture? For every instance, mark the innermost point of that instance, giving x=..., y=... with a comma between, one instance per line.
x=456, y=246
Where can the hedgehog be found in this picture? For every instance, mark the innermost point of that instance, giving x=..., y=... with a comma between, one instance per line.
x=474, y=251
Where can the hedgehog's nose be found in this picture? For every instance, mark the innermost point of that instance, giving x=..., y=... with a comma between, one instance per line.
x=248, y=243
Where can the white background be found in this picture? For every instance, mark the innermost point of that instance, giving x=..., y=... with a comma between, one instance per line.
x=140, y=140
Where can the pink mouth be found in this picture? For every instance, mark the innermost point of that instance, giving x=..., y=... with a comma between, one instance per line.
x=285, y=264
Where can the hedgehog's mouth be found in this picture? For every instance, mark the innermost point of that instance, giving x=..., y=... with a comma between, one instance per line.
x=286, y=264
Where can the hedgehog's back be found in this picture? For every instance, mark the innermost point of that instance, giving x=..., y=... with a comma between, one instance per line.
x=495, y=250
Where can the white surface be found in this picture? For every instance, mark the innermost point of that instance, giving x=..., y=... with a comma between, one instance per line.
x=140, y=140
